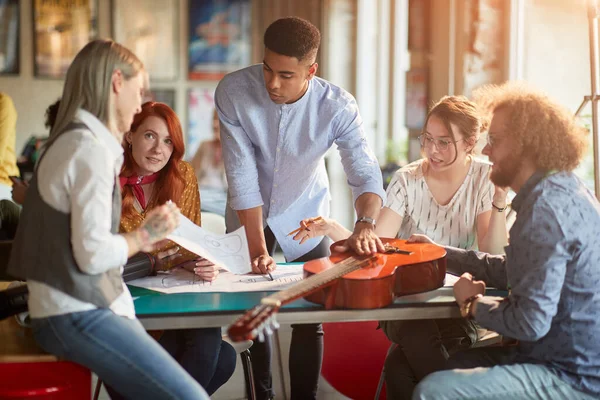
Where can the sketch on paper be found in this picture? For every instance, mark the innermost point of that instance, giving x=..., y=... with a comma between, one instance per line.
x=179, y=280
x=229, y=251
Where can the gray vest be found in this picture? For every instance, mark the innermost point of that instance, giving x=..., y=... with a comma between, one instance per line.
x=42, y=249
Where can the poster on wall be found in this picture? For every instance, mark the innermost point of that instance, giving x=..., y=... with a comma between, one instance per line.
x=166, y=96
x=150, y=29
x=61, y=28
x=416, y=98
x=201, y=106
x=219, y=37
x=9, y=36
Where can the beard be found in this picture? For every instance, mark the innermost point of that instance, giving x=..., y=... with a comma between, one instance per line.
x=504, y=171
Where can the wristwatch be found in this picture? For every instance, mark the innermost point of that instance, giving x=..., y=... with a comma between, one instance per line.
x=366, y=219
x=465, y=309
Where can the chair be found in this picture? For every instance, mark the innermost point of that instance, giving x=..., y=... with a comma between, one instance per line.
x=27, y=371
x=354, y=373
x=213, y=222
x=243, y=349
x=43, y=377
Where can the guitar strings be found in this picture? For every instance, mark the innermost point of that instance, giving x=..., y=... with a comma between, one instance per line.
x=312, y=282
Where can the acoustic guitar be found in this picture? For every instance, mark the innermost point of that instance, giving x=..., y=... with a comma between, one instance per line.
x=345, y=280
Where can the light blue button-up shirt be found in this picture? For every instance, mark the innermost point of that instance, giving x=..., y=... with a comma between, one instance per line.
x=274, y=153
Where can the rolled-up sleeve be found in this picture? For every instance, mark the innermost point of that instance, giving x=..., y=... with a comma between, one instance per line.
x=360, y=164
x=95, y=248
x=538, y=264
x=238, y=156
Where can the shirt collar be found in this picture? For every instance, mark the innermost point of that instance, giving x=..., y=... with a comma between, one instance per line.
x=528, y=187
x=101, y=132
x=297, y=102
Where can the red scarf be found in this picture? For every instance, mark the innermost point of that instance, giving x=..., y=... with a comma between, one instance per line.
x=136, y=183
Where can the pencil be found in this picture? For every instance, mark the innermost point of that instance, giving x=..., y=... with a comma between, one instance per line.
x=270, y=276
x=308, y=223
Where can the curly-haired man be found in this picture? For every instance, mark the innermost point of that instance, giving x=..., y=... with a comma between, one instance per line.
x=551, y=267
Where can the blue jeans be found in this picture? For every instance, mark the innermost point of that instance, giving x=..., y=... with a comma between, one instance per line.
x=492, y=374
x=119, y=351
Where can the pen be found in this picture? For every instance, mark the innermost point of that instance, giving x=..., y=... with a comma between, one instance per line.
x=268, y=273
x=307, y=224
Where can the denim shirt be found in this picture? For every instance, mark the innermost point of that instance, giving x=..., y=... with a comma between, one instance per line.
x=553, y=267
x=274, y=153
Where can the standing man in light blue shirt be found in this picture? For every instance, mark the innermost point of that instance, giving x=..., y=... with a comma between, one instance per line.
x=278, y=120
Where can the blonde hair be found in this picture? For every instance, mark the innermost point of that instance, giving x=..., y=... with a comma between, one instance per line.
x=546, y=131
x=88, y=82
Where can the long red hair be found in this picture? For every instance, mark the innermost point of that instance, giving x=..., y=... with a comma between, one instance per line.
x=170, y=183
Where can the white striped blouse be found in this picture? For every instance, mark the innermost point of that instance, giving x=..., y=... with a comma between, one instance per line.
x=453, y=224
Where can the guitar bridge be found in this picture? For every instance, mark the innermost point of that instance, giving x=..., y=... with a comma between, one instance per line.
x=389, y=249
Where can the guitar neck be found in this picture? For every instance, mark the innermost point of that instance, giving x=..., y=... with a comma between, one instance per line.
x=316, y=281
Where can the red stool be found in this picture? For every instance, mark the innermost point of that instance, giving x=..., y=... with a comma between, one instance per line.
x=353, y=357
x=44, y=378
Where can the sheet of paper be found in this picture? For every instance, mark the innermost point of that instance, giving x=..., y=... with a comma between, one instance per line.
x=179, y=280
x=450, y=280
x=229, y=251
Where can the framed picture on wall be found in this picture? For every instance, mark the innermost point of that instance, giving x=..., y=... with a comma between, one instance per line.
x=166, y=96
x=61, y=29
x=150, y=29
x=416, y=97
x=219, y=37
x=201, y=106
x=9, y=37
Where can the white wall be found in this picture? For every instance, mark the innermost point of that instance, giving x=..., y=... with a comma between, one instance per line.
x=556, y=49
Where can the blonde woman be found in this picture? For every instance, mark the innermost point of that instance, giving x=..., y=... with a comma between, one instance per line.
x=67, y=245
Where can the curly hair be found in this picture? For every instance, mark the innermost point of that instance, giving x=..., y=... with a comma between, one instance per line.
x=293, y=37
x=464, y=115
x=546, y=131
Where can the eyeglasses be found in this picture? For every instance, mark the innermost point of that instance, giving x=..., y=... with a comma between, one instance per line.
x=440, y=144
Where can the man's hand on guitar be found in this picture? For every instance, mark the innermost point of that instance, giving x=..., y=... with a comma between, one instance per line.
x=364, y=241
x=263, y=264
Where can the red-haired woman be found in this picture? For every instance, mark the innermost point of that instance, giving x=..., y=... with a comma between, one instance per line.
x=153, y=173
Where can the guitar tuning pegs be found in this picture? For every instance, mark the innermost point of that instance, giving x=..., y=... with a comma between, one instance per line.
x=268, y=330
x=261, y=336
x=274, y=322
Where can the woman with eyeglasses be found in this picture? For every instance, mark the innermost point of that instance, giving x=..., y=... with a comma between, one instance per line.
x=446, y=195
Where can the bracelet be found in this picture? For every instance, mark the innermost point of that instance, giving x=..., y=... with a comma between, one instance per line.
x=500, y=209
x=465, y=309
